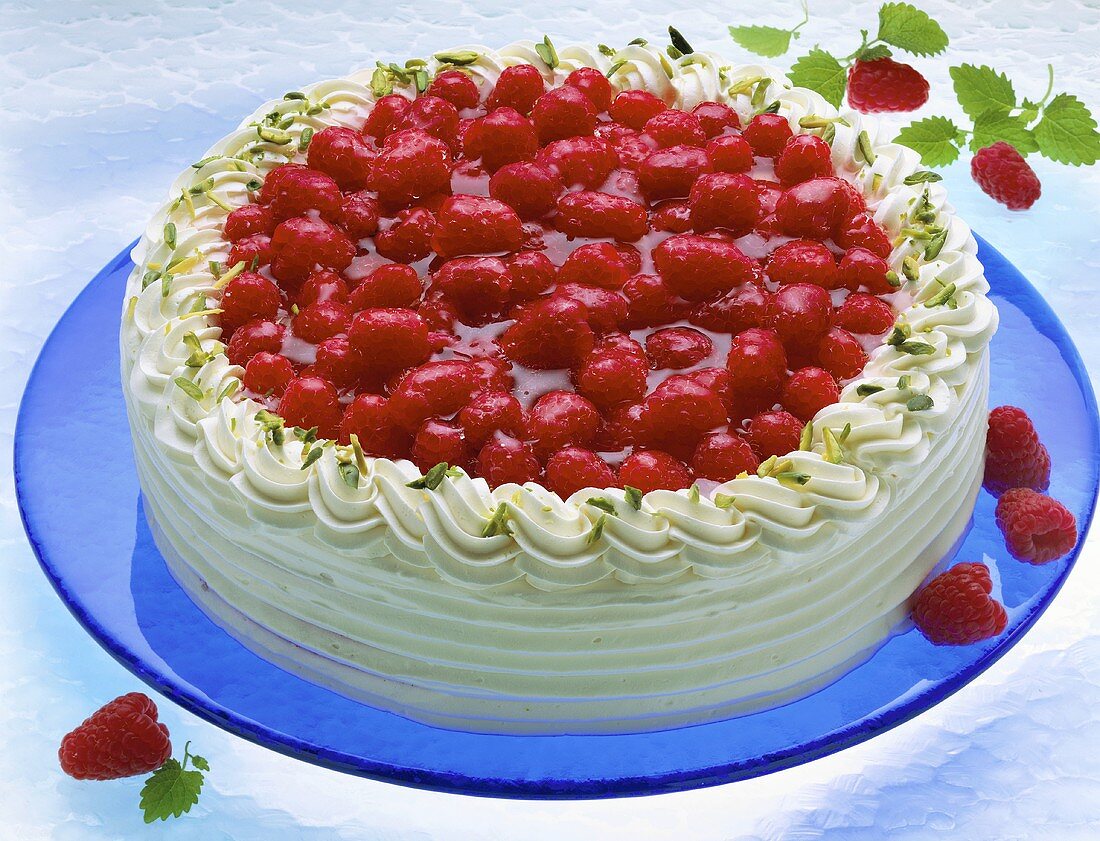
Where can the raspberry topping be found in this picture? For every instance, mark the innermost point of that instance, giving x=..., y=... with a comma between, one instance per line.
x=955, y=607
x=1005, y=176
x=1037, y=529
x=120, y=739
x=1014, y=455
x=885, y=85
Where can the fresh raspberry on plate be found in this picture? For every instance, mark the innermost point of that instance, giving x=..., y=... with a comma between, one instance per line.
x=517, y=87
x=670, y=173
x=768, y=134
x=247, y=297
x=438, y=441
x=1005, y=176
x=715, y=118
x=863, y=313
x=955, y=607
x=635, y=108
x=808, y=391
x=584, y=161
x=774, y=433
x=885, y=85
x=673, y=127
x=455, y=87
x=593, y=84
x=720, y=456
x=120, y=739
x=531, y=189
x=563, y=112
x=1037, y=529
x=268, y=373
x=504, y=459
x=309, y=402
x=803, y=261
x=677, y=347
x=572, y=468
x=561, y=418
x=805, y=156
x=651, y=470
x=343, y=155
x=598, y=215
x=501, y=137
x=1014, y=455
x=368, y=417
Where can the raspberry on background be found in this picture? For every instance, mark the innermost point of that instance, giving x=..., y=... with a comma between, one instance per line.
x=955, y=607
x=120, y=739
x=1037, y=529
x=1014, y=455
x=1005, y=176
x=885, y=85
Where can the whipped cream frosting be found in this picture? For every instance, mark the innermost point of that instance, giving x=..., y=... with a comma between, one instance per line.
x=693, y=605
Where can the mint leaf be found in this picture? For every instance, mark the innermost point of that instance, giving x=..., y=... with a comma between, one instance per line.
x=935, y=138
x=170, y=792
x=908, y=28
x=768, y=41
x=1067, y=132
x=982, y=89
x=998, y=125
x=874, y=53
x=200, y=763
x=819, y=71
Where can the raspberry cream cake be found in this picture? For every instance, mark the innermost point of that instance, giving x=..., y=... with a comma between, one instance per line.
x=571, y=391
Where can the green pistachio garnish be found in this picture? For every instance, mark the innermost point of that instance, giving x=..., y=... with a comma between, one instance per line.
x=834, y=453
x=380, y=83
x=459, y=58
x=312, y=456
x=724, y=501
x=304, y=139
x=170, y=234
x=693, y=493
x=357, y=451
x=867, y=389
x=634, y=497
x=919, y=402
x=497, y=522
x=203, y=186
x=306, y=436
x=899, y=334
x=272, y=425
x=935, y=244
x=165, y=285
x=921, y=177
x=606, y=50
x=229, y=390
x=149, y=278
x=942, y=297
x=294, y=95
x=863, y=144
x=910, y=268
x=420, y=79
x=792, y=477
x=547, y=53
x=893, y=279
x=413, y=63
x=771, y=108
x=903, y=382
x=189, y=388
x=131, y=307
x=760, y=92
x=637, y=42
x=744, y=86
x=237, y=268
x=204, y=161
x=432, y=479
x=806, y=439
x=605, y=505
x=915, y=348
x=198, y=357
x=253, y=185
x=350, y=474
x=597, y=531
x=679, y=41
x=614, y=68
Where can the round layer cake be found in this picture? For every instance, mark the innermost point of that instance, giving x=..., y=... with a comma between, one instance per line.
x=558, y=391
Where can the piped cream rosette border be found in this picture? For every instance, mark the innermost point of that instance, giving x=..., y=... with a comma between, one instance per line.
x=479, y=537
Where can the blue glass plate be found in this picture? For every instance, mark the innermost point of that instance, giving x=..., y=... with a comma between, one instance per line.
x=81, y=507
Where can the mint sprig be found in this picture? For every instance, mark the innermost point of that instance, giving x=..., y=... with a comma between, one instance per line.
x=173, y=789
x=908, y=28
x=821, y=72
x=768, y=41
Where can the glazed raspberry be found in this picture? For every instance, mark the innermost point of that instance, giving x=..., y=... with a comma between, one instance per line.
x=730, y=153
x=801, y=314
x=368, y=418
x=298, y=190
x=804, y=157
x=675, y=128
x=1037, y=529
x=323, y=285
x=409, y=238
x=311, y=402
x=600, y=215
x=885, y=85
x=740, y=309
x=252, y=338
x=774, y=433
x=319, y=321
x=1014, y=455
x=803, y=261
x=717, y=380
x=343, y=155
x=529, y=188
x=955, y=607
x=561, y=113
x=863, y=313
x=501, y=137
x=492, y=373
x=247, y=220
x=770, y=194
x=670, y=173
x=768, y=134
x=680, y=410
x=517, y=87
x=412, y=165
x=593, y=84
x=861, y=231
x=606, y=310
x=757, y=364
x=632, y=149
x=840, y=354
x=478, y=286
x=594, y=264
x=549, y=333
x=505, y=460
x=861, y=269
x=391, y=285
x=580, y=161
x=489, y=412
x=384, y=116
x=559, y=418
x=1005, y=176
x=437, y=441
x=254, y=249
x=120, y=739
x=431, y=115
x=720, y=456
x=572, y=468
x=635, y=108
x=652, y=470
x=339, y=363
x=268, y=373
x=813, y=209
x=808, y=391
x=476, y=225
x=532, y=273
x=247, y=297
x=302, y=244
x=724, y=200
x=630, y=255
x=455, y=87
x=650, y=303
x=677, y=347
x=359, y=215
x=612, y=376
x=715, y=118
x=391, y=339
x=672, y=216
x=437, y=389
x=621, y=343
x=697, y=268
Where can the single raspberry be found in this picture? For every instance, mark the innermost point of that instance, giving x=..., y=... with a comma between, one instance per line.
x=739, y=309
x=679, y=411
x=610, y=377
x=599, y=215
x=247, y=220
x=247, y=297
x=309, y=402
x=501, y=137
x=339, y=362
x=594, y=264
x=885, y=85
x=1005, y=176
x=862, y=269
x=302, y=244
x=506, y=460
x=563, y=112
x=804, y=157
x=593, y=84
x=757, y=364
x=677, y=347
x=670, y=173
x=120, y=739
x=391, y=339
x=808, y=391
x=813, y=209
x=343, y=155
x=531, y=189
x=320, y=321
x=620, y=429
x=359, y=215
x=491, y=373
x=715, y=118
x=841, y=354
x=476, y=225
x=650, y=302
x=252, y=338
x=385, y=115
x=572, y=468
x=724, y=200
x=455, y=87
x=717, y=380
x=409, y=238
x=770, y=194
x=439, y=388
x=635, y=108
x=437, y=441
x=631, y=149
x=532, y=273
x=431, y=115
x=955, y=607
x=862, y=231
x=368, y=418
x=549, y=333
x=863, y=313
x=1014, y=455
x=774, y=433
x=517, y=87
x=606, y=310
x=323, y=285
x=254, y=249
x=295, y=190
x=583, y=161
x=412, y=165
x=720, y=456
x=621, y=343
x=492, y=411
x=768, y=134
x=391, y=285
x=652, y=470
x=1037, y=529
x=730, y=153
x=803, y=261
x=672, y=216
x=697, y=268
x=479, y=286
x=801, y=314
x=673, y=127
x=268, y=373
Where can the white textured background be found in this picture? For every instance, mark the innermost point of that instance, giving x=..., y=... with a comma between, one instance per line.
x=104, y=103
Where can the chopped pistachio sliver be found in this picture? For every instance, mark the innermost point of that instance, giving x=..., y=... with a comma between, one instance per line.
x=597, y=530
x=693, y=493
x=893, y=279
x=942, y=297
x=744, y=86
x=294, y=95
x=792, y=477
x=863, y=143
x=201, y=163
x=229, y=390
x=165, y=285
x=198, y=357
x=238, y=267
x=415, y=62
x=921, y=177
x=131, y=307
x=910, y=268
x=605, y=505
x=459, y=58
x=357, y=451
x=420, y=79
x=273, y=135
x=380, y=83
x=903, y=382
x=189, y=388
x=806, y=439
x=614, y=68
x=634, y=497
x=845, y=432
x=935, y=244
x=899, y=334
x=432, y=479
x=304, y=138
x=170, y=234
x=867, y=389
x=149, y=278
x=724, y=500
x=350, y=474
x=919, y=402
x=834, y=454
x=547, y=53
x=253, y=185
x=606, y=50
x=497, y=522
x=637, y=42
x=203, y=186
x=312, y=456
x=679, y=41
x=915, y=348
